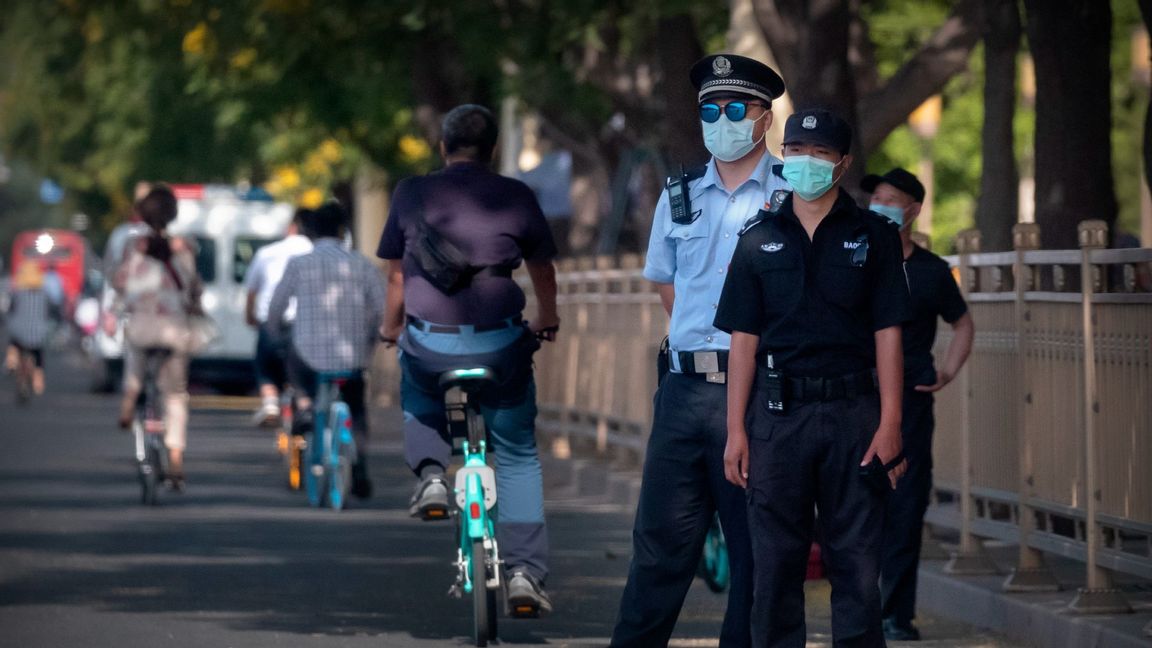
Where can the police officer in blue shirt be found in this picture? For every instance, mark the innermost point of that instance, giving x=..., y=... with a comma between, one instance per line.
x=694, y=231
x=815, y=299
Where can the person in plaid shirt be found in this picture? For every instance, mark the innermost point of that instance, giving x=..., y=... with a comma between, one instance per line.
x=339, y=298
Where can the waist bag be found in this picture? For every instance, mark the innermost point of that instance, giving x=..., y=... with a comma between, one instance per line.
x=443, y=263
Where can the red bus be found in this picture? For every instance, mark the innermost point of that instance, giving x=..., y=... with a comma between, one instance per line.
x=64, y=249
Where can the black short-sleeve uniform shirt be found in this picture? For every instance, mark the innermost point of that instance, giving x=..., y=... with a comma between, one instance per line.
x=934, y=295
x=816, y=303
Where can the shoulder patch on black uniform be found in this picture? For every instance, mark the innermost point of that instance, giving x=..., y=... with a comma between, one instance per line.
x=758, y=218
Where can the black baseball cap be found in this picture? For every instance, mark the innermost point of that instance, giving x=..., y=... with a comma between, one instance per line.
x=902, y=179
x=818, y=126
x=730, y=74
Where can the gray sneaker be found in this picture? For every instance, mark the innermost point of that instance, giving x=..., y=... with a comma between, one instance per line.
x=526, y=596
x=430, y=499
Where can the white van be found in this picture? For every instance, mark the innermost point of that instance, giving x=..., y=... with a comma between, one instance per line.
x=228, y=226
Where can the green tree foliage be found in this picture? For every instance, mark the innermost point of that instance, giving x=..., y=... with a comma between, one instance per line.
x=100, y=93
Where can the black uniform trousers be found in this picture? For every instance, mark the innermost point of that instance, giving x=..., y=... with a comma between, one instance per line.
x=683, y=485
x=904, y=517
x=803, y=460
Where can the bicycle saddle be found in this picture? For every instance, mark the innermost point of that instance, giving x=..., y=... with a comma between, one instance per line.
x=467, y=377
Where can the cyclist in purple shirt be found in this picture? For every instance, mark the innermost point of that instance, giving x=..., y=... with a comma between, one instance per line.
x=492, y=224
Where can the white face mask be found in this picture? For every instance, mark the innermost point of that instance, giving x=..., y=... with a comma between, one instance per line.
x=729, y=141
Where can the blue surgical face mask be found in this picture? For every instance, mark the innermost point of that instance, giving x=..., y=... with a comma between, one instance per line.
x=810, y=177
x=891, y=212
x=728, y=140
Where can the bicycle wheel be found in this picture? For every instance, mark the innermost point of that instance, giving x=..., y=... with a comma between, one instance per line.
x=483, y=608
x=296, y=459
x=150, y=473
x=341, y=457
x=24, y=378
x=714, y=569
x=314, y=474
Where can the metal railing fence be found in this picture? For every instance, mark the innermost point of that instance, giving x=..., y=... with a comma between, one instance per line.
x=1047, y=442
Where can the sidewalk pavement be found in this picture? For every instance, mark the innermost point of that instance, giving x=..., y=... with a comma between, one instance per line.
x=953, y=610
x=1037, y=618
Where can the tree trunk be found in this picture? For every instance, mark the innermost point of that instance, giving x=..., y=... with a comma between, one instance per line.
x=997, y=209
x=1071, y=46
x=810, y=39
x=822, y=48
x=1146, y=12
x=677, y=47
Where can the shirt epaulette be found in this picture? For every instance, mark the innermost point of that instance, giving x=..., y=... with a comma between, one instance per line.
x=778, y=171
x=695, y=173
x=760, y=217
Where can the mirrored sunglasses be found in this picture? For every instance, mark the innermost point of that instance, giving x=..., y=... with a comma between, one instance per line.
x=735, y=111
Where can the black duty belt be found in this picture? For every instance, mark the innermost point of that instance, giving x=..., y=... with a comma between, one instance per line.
x=429, y=327
x=830, y=389
x=702, y=362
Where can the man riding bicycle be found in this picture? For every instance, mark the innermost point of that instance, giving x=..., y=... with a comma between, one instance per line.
x=452, y=241
x=339, y=296
x=261, y=280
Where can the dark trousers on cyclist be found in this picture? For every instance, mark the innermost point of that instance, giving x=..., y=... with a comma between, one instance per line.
x=304, y=380
x=683, y=486
x=271, y=357
x=904, y=514
x=509, y=414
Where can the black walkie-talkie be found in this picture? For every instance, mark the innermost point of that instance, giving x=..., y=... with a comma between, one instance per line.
x=678, y=201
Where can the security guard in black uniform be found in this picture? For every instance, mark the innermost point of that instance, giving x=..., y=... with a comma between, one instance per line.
x=815, y=299
x=898, y=195
x=694, y=233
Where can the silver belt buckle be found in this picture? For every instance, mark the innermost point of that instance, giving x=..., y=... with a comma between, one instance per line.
x=718, y=377
x=706, y=361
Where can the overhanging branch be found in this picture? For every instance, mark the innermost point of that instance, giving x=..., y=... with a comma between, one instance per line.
x=925, y=74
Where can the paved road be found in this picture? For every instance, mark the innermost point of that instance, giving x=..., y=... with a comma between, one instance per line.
x=238, y=560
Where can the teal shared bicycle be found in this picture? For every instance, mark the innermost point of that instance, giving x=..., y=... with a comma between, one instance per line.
x=713, y=568
x=479, y=569
x=332, y=448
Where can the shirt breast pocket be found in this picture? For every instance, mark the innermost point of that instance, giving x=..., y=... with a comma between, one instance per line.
x=781, y=279
x=843, y=282
x=691, y=244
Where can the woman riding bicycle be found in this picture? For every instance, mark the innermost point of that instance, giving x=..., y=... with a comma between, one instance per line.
x=31, y=320
x=158, y=291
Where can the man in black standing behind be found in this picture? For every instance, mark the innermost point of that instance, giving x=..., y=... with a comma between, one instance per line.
x=897, y=195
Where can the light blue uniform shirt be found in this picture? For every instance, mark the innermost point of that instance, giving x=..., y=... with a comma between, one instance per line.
x=695, y=257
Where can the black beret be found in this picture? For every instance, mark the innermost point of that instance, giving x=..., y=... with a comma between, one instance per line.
x=732, y=74
x=818, y=126
x=901, y=179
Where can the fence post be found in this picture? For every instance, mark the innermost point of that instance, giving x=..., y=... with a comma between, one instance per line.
x=1031, y=573
x=969, y=558
x=1098, y=596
